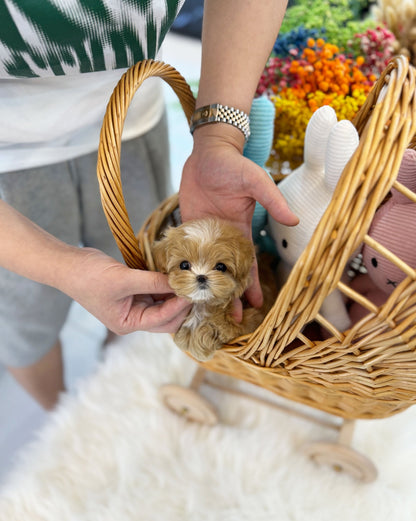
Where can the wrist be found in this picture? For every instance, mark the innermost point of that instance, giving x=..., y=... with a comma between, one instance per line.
x=215, y=113
x=65, y=271
x=219, y=134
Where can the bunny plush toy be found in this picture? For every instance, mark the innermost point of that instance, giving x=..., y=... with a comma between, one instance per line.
x=394, y=227
x=329, y=144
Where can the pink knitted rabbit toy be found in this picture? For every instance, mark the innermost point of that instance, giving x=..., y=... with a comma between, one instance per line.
x=394, y=227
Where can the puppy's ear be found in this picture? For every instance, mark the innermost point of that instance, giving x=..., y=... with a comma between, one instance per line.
x=163, y=249
x=160, y=255
x=244, y=255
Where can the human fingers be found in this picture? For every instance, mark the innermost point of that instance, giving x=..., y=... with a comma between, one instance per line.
x=237, y=310
x=264, y=190
x=138, y=282
x=161, y=317
x=253, y=293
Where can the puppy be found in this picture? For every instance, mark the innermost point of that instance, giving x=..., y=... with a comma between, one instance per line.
x=208, y=261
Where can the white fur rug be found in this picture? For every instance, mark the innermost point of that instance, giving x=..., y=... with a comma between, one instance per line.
x=114, y=452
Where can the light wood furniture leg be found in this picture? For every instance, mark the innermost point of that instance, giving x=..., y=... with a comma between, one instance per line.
x=341, y=456
x=187, y=402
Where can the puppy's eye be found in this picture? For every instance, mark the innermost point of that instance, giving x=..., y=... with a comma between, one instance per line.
x=220, y=266
x=185, y=265
x=284, y=243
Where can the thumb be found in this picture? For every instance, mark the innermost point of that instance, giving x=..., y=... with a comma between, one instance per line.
x=264, y=190
x=140, y=282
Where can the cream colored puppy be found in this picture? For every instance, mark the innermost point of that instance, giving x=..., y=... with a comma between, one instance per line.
x=208, y=261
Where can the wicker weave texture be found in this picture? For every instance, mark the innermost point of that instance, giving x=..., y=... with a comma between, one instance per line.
x=368, y=371
x=109, y=150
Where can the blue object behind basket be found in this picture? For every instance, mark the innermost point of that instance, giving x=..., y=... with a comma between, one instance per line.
x=258, y=149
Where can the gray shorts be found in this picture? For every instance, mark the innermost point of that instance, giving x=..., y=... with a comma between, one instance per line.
x=64, y=200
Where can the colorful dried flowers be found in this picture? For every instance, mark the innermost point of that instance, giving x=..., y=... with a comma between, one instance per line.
x=339, y=18
x=399, y=16
x=314, y=72
x=377, y=46
x=295, y=40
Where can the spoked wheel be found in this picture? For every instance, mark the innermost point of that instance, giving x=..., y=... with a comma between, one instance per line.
x=342, y=459
x=188, y=403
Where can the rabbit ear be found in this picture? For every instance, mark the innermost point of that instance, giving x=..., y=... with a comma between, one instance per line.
x=316, y=137
x=406, y=176
x=342, y=143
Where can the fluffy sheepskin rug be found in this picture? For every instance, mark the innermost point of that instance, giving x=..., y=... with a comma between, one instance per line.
x=114, y=452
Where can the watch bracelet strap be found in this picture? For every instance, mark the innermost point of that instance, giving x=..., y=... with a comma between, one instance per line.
x=217, y=113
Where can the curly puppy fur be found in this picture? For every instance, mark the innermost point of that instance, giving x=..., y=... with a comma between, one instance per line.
x=208, y=261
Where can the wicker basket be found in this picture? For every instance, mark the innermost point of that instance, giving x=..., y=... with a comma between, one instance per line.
x=368, y=371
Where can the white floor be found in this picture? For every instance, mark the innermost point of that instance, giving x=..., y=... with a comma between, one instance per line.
x=20, y=416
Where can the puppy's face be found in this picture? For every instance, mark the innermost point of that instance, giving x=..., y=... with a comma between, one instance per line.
x=206, y=260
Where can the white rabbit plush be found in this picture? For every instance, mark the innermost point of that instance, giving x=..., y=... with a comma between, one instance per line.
x=329, y=145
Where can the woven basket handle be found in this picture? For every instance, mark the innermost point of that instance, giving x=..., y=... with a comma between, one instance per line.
x=109, y=150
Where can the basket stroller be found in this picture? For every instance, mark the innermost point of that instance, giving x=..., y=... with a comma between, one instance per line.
x=365, y=372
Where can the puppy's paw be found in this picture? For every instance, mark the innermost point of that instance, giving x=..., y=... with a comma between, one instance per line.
x=201, y=344
x=202, y=353
x=204, y=341
x=204, y=346
x=182, y=338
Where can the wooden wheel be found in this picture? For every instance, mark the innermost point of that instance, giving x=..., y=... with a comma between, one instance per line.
x=188, y=403
x=342, y=459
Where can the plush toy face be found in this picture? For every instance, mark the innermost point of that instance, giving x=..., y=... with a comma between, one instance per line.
x=292, y=240
x=394, y=226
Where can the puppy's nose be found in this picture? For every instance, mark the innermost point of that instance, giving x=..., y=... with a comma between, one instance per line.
x=201, y=279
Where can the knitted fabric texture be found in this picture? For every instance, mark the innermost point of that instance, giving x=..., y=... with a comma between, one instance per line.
x=394, y=226
x=258, y=149
x=308, y=190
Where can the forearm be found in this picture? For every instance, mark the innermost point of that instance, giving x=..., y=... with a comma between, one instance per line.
x=31, y=252
x=121, y=298
x=237, y=38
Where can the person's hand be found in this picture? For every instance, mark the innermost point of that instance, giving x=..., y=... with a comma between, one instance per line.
x=124, y=299
x=218, y=180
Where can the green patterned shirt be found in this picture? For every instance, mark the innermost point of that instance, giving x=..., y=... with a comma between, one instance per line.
x=56, y=37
